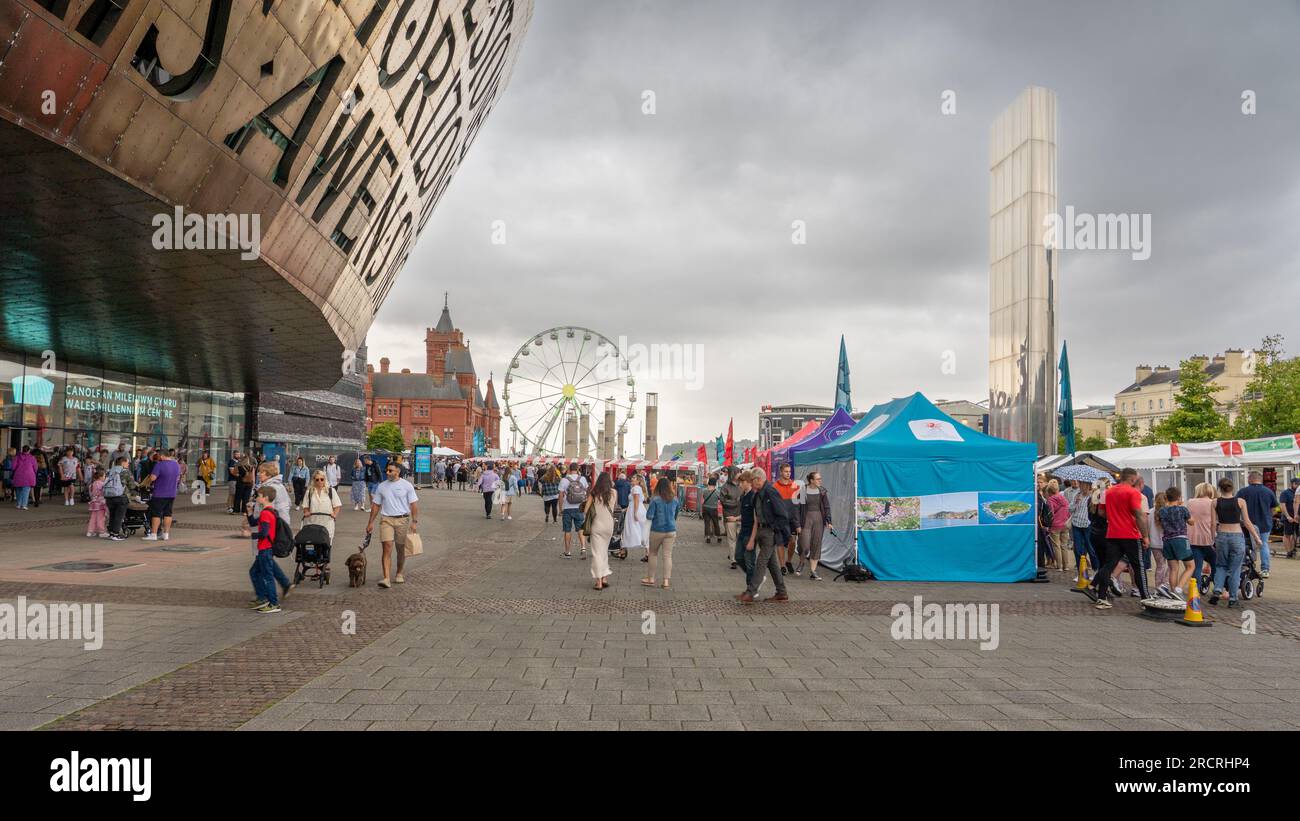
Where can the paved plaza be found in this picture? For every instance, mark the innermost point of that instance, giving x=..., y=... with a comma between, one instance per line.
x=493, y=630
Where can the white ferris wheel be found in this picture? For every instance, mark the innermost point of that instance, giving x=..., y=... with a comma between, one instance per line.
x=562, y=374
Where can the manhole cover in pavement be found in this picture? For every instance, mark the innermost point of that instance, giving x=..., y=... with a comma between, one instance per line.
x=86, y=566
x=180, y=548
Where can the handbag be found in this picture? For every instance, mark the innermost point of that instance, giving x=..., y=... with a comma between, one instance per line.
x=414, y=545
x=589, y=520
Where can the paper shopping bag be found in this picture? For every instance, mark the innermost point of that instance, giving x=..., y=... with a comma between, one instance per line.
x=414, y=546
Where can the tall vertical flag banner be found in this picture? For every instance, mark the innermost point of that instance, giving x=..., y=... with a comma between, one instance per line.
x=719, y=446
x=842, y=397
x=729, y=455
x=1067, y=404
x=702, y=454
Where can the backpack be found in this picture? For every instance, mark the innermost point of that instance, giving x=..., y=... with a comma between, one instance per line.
x=282, y=545
x=576, y=492
x=113, y=485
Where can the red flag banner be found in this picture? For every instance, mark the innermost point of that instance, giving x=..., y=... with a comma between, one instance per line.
x=729, y=453
x=702, y=455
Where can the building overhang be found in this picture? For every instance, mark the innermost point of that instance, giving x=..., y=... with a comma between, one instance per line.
x=325, y=130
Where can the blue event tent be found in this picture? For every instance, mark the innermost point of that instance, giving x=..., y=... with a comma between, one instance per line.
x=924, y=498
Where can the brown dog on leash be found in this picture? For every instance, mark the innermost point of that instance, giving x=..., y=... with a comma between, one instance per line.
x=356, y=565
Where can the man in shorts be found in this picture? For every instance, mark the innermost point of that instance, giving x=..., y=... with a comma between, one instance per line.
x=162, y=481
x=394, y=502
x=573, y=492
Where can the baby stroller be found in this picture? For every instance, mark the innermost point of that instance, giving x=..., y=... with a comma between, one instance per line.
x=616, y=548
x=311, y=548
x=1252, y=581
x=137, y=516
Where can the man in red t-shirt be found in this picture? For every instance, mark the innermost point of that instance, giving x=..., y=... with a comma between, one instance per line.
x=1126, y=536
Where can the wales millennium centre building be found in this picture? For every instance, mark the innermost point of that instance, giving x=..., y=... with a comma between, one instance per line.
x=203, y=203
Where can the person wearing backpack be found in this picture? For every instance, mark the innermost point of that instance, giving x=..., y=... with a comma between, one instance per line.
x=118, y=487
x=573, y=494
x=711, y=512
x=269, y=475
x=264, y=568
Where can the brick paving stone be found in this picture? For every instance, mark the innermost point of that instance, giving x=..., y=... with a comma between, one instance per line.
x=479, y=643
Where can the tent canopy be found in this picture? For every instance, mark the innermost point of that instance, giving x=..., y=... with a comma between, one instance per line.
x=932, y=499
x=831, y=428
x=912, y=427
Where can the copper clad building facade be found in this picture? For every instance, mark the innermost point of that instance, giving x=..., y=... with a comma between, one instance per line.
x=327, y=130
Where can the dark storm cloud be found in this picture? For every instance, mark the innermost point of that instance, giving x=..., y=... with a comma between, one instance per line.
x=676, y=227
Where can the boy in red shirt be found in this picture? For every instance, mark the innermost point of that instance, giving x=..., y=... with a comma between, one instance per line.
x=1126, y=536
x=262, y=573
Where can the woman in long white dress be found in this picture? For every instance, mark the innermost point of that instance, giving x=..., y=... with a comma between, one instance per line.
x=634, y=520
x=599, y=510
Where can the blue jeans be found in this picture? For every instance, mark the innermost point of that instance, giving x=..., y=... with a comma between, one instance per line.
x=745, y=558
x=1204, y=556
x=23, y=494
x=263, y=576
x=1264, y=528
x=1231, y=551
x=1083, y=546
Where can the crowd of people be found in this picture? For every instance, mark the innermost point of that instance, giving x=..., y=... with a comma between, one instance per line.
x=769, y=528
x=1119, y=526
x=106, y=481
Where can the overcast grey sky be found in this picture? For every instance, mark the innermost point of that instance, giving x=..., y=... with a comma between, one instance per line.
x=676, y=227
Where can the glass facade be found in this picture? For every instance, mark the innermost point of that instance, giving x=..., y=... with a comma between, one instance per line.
x=57, y=403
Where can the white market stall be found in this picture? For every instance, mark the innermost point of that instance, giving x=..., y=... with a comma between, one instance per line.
x=1187, y=464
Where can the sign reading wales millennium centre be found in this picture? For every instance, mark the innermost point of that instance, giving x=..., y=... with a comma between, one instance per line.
x=335, y=124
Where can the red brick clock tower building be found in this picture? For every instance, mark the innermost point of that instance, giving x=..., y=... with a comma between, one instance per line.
x=445, y=403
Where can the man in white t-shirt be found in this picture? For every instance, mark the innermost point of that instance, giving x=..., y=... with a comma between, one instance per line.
x=333, y=473
x=394, y=501
x=573, y=492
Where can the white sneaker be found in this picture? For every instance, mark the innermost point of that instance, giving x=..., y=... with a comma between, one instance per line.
x=103, y=535
x=510, y=518
x=384, y=583
x=166, y=536
x=90, y=535
x=399, y=578
x=150, y=538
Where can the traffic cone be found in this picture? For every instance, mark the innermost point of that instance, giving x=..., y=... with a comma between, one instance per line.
x=1081, y=586
x=1194, y=615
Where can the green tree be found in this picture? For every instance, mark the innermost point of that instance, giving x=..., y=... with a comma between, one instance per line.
x=1078, y=442
x=1093, y=443
x=1195, y=417
x=422, y=440
x=1271, y=402
x=386, y=436
x=1149, y=438
x=1122, y=433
